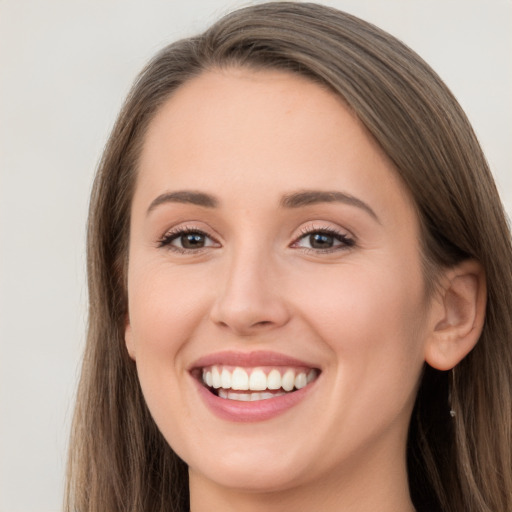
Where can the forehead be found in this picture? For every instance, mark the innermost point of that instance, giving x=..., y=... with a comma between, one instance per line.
x=237, y=129
x=255, y=106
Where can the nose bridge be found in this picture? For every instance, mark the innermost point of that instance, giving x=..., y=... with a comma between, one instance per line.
x=249, y=299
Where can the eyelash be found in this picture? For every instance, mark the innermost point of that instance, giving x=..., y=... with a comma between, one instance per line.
x=346, y=242
x=170, y=236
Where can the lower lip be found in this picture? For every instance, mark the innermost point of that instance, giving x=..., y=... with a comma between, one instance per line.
x=259, y=410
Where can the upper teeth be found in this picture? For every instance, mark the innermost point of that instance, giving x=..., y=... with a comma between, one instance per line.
x=257, y=379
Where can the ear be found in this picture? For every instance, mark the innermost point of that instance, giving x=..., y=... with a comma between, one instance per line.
x=128, y=337
x=458, y=315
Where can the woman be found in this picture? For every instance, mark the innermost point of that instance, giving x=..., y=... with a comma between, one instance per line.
x=299, y=279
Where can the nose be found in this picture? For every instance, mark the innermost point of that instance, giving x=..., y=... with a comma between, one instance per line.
x=250, y=300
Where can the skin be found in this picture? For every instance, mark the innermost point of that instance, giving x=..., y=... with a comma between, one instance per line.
x=358, y=312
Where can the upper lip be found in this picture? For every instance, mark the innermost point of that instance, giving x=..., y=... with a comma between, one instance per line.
x=249, y=359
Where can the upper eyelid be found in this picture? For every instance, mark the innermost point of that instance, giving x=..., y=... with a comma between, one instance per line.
x=327, y=227
x=190, y=226
x=323, y=229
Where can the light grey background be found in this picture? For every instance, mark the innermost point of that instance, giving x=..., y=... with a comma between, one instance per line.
x=65, y=67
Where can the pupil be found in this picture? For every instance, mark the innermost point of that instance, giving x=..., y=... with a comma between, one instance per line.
x=321, y=241
x=192, y=241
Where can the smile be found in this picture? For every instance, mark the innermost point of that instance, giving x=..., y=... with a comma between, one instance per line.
x=257, y=383
x=253, y=386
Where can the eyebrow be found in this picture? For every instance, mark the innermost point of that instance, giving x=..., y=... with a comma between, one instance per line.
x=310, y=197
x=295, y=200
x=185, y=196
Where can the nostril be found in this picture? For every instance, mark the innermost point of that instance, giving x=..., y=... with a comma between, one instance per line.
x=263, y=323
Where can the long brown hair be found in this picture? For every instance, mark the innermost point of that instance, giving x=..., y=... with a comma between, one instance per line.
x=118, y=459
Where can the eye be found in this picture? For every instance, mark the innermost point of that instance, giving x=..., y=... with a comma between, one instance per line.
x=187, y=240
x=324, y=240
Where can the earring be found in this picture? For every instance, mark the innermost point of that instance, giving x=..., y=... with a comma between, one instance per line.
x=451, y=386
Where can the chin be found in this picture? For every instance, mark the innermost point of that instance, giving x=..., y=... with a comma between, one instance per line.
x=263, y=468
x=261, y=477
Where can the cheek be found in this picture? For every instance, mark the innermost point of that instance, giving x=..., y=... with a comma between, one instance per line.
x=165, y=311
x=372, y=322
x=165, y=307
x=372, y=317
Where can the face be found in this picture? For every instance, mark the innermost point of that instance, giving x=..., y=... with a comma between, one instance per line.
x=276, y=298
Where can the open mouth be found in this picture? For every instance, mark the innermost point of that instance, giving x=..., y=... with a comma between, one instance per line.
x=256, y=383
